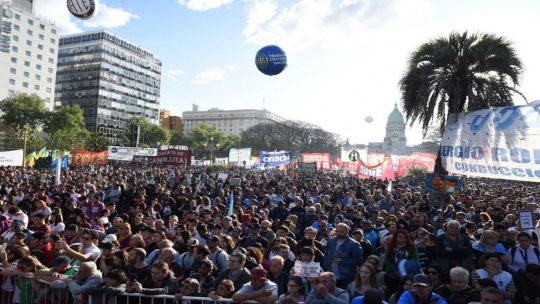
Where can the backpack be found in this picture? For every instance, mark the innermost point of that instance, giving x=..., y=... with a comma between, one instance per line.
x=5, y=223
x=514, y=249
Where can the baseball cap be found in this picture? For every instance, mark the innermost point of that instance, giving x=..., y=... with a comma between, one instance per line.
x=421, y=280
x=258, y=274
x=110, y=238
x=193, y=242
x=60, y=260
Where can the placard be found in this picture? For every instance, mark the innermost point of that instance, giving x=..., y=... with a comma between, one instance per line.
x=308, y=168
x=526, y=220
x=11, y=158
x=307, y=269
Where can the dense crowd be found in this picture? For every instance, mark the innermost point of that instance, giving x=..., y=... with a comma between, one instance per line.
x=107, y=231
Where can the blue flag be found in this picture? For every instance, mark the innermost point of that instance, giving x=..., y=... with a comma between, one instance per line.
x=64, y=163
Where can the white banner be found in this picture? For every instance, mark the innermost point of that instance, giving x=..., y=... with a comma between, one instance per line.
x=495, y=143
x=12, y=158
x=240, y=155
x=221, y=161
x=127, y=153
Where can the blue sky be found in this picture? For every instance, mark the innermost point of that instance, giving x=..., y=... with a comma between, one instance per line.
x=345, y=57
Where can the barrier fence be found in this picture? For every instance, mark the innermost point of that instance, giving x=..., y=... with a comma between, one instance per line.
x=25, y=290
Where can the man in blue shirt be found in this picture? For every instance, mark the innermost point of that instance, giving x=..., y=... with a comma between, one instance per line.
x=421, y=292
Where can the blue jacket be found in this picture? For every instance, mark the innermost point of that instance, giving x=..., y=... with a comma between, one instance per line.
x=408, y=298
x=350, y=253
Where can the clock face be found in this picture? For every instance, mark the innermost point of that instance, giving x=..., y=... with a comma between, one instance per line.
x=83, y=9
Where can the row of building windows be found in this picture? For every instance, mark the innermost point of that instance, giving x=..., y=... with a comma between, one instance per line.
x=31, y=22
x=26, y=85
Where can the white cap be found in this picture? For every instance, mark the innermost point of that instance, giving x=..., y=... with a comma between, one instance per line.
x=110, y=238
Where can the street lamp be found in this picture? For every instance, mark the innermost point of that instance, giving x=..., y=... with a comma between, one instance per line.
x=23, y=134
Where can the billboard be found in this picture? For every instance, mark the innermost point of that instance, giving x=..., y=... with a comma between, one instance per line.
x=322, y=160
x=494, y=143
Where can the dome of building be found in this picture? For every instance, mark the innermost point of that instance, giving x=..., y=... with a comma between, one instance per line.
x=395, y=117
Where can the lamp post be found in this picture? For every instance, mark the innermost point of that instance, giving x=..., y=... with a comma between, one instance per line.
x=23, y=134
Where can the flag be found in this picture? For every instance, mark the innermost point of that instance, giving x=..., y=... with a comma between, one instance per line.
x=30, y=159
x=64, y=162
x=230, y=199
x=44, y=152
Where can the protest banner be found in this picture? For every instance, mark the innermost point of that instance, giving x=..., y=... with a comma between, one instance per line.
x=416, y=160
x=81, y=157
x=12, y=158
x=275, y=158
x=171, y=157
x=307, y=269
x=494, y=143
x=127, y=153
x=307, y=168
x=321, y=159
x=526, y=221
x=239, y=155
x=382, y=170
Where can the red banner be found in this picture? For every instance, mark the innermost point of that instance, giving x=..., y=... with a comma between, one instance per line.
x=416, y=160
x=322, y=160
x=81, y=157
x=171, y=157
x=382, y=170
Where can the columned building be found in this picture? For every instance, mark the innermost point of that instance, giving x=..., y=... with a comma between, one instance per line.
x=110, y=78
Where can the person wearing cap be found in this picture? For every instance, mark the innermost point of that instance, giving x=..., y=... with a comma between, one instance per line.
x=61, y=269
x=259, y=288
x=218, y=256
x=187, y=259
x=326, y=291
x=421, y=292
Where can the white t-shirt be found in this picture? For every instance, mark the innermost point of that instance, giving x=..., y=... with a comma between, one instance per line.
x=94, y=252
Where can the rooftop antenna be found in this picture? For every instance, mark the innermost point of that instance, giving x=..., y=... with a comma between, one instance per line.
x=263, y=104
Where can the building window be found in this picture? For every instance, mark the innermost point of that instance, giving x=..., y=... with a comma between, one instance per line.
x=25, y=84
x=38, y=66
x=40, y=57
x=51, y=60
x=50, y=70
x=14, y=49
x=53, y=41
x=27, y=63
x=13, y=59
x=48, y=90
x=17, y=16
x=42, y=26
x=36, y=87
x=26, y=74
x=16, y=27
x=40, y=46
x=28, y=53
x=41, y=36
x=30, y=32
x=38, y=77
x=51, y=50
x=30, y=22
x=11, y=93
x=13, y=71
x=49, y=80
x=53, y=31
x=15, y=38
x=28, y=42
x=12, y=81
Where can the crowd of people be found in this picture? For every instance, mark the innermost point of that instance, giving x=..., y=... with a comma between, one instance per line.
x=106, y=232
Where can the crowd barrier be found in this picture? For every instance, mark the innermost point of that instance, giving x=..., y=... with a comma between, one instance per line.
x=41, y=292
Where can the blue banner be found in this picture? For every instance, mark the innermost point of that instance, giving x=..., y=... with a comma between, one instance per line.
x=275, y=159
x=64, y=164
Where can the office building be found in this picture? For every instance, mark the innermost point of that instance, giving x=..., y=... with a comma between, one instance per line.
x=230, y=122
x=28, y=52
x=110, y=78
x=171, y=122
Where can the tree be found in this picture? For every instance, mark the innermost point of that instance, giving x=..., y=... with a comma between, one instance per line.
x=150, y=135
x=206, y=138
x=459, y=73
x=96, y=142
x=66, y=129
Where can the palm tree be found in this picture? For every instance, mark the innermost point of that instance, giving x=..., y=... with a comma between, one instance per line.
x=459, y=73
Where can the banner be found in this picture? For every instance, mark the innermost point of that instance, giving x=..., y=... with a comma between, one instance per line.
x=382, y=170
x=174, y=147
x=322, y=160
x=81, y=157
x=172, y=157
x=308, y=168
x=275, y=159
x=221, y=161
x=239, y=155
x=12, y=158
x=416, y=160
x=127, y=153
x=64, y=162
x=442, y=183
x=495, y=143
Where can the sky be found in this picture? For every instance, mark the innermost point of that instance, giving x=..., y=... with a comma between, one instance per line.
x=345, y=58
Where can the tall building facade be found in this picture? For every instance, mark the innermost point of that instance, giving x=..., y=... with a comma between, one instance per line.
x=28, y=52
x=230, y=122
x=171, y=122
x=110, y=78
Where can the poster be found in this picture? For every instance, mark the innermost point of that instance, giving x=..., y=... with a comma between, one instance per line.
x=307, y=168
x=307, y=269
x=526, y=220
x=321, y=159
x=275, y=158
x=11, y=158
x=381, y=170
x=127, y=153
x=416, y=160
x=171, y=157
x=239, y=155
x=442, y=183
x=81, y=157
x=500, y=143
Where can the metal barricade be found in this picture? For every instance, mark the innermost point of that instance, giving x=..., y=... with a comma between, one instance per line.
x=137, y=298
x=26, y=290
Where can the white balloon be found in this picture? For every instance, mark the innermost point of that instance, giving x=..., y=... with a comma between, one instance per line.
x=369, y=119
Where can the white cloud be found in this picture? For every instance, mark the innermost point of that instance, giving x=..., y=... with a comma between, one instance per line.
x=174, y=75
x=259, y=12
x=110, y=17
x=106, y=16
x=213, y=74
x=203, y=5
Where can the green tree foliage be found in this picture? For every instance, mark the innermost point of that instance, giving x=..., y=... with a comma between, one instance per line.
x=21, y=117
x=96, y=142
x=205, y=138
x=66, y=128
x=296, y=136
x=150, y=135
